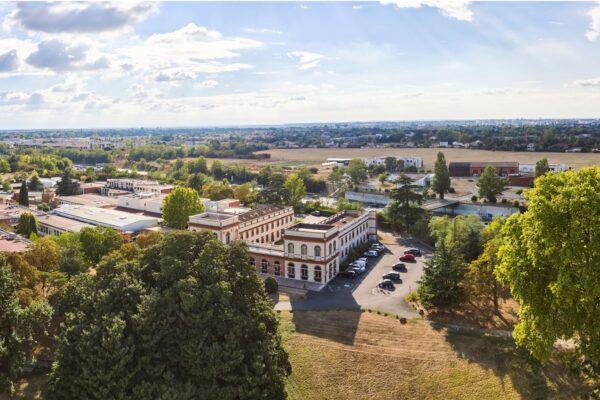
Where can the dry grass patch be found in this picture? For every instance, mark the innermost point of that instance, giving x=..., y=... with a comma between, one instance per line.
x=354, y=355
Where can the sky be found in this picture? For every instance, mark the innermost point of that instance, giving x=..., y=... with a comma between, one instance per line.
x=125, y=64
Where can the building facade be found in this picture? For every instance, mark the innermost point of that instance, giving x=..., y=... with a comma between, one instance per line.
x=474, y=169
x=297, y=252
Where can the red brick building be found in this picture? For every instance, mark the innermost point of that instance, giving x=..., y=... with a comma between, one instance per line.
x=470, y=169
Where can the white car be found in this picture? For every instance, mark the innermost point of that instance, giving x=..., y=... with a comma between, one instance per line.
x=361, y=263
x=370, y=253
x=358, y=269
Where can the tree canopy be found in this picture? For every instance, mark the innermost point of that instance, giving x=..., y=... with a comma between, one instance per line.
x=357, y=170
x=296, y=189
x=187, y=318
x=24, y=195
x=550, y=260
x=441, y=177
x=179, y=205
x=490, y=184
x=27, y=224
x=541, y=167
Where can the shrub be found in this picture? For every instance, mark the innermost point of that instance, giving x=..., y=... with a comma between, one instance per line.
x=412, y=297
x=451, y=190
x=504, y=201
x=271, y=285
x=516, y=203
x=403, y=321
x=519, y=192
x=474, y=198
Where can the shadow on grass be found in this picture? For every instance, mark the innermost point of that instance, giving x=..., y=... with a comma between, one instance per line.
x=529, y=377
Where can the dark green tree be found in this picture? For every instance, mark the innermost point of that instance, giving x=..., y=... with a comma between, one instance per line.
x=404, y=211
x=440, y=287
x=24, y=194
x=187, y=319
x=21, y=328
x=441, y=177
x=67, y=186
x=391, y=164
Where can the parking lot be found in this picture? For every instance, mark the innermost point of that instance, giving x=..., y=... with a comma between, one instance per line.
x=363, y=292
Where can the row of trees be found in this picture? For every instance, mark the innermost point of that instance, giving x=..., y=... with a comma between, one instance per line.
x=546, y=258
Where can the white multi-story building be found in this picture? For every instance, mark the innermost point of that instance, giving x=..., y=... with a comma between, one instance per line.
x=416, y=162
x=136, y=186
x=530, y=168
x=298, y=252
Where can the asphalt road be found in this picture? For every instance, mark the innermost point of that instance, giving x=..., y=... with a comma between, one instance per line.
x=362, y=291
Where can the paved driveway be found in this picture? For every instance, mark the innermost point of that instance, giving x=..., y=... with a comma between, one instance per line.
x=362, y=291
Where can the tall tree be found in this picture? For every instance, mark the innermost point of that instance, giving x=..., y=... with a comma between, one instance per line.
x=296, y=189
x=34, y=182
x=550, y=263
x=357, y=170
x=490, y=184
x=541, y=167
x=481, y=275
x=22, y=328
x=217, y=170
x=67, y=186
x=462, y=231
x=405, y=210
x=179, y=205
x=188, y=318
x=27, y=224
x=24, y=194
x=391, y=164
x=441, y=177
x=440, y=286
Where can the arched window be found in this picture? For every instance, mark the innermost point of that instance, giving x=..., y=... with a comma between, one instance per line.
x=291, y=270
x=252, y=262
x=335, y=246
x=291, y=248
x=330, y=249
x=304, y=272
x=329, y=271
x=317, y=274
x=334, y=267
x=303, y=249
x=277, y=268
x=317, y=251
x=227, y=238
x=264, y=266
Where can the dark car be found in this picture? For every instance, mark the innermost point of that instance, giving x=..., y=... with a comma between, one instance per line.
x=407, y=257
x=386, y=284
x=348, y=274
x=414, y=252
x=399, y=267
x=394, y=276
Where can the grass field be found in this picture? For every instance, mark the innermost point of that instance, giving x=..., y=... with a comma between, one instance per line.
x=317, y=156
x=353, y=355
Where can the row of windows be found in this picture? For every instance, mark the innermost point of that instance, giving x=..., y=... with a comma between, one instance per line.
x=272, y=225
x=317, y=249
x=362, y=228
x=291, y=270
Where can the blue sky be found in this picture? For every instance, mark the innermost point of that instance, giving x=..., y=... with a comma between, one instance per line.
x=205, y=63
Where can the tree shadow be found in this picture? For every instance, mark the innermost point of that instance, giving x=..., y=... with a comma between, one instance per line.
x=529, y=377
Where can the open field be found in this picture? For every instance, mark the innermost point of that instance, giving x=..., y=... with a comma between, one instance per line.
x=317, y=156
x=354, y=355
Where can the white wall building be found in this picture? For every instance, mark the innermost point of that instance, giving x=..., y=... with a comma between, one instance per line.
x=119, y=220
x=530, y=168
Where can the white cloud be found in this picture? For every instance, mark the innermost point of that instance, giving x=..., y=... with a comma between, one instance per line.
x=593, y=33
x=174, y=75
x=256, y=30
x=78, y=17
x=190, y=32
x=457, y=9
x=58, y=55
x=587, y=82
x=209, y=83
x=307, y=59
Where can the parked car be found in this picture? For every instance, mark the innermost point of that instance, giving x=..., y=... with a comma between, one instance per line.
x=399, y=267
x=386, y=283
x=370, y=253
x=358, y=270
x=377, y=246
x=348, y=274
x=316, y=213
x=414, y=252
x=393, y=275
x=407, y=257
x=360, y=263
